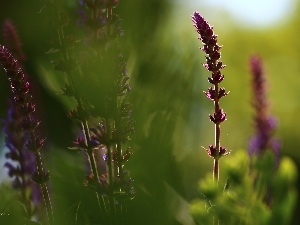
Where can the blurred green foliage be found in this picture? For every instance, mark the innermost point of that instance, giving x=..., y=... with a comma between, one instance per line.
x=253, y=193
x=170, y=110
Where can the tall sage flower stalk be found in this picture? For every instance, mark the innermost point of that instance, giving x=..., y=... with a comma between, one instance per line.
x=95, y=66
x=25, y=107
x=103, y=26
x=20, y=162
x=265, y=124
x=23, y=165
x=214, y=65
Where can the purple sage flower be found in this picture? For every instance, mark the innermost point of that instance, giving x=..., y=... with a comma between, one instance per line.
x=25, y=107
x=22, y=162
x=214, y=65
x=264, y=123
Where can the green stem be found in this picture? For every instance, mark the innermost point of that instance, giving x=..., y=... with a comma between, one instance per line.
x=90, y=150
x=216, y=171
x=217, y=140
x=120, y=162
x=44, y=188
x=109, y=152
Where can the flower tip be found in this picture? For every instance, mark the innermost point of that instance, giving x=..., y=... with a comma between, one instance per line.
x=196, y=13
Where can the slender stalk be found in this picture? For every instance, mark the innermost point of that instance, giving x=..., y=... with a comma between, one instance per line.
x=24, y=105
x=213, y=65
x=216, y=170
x=84, y=124
x=90, y=151
x=120, y=163
x=109, y=146
x=217, y=139
x=44, y=188
x=215, y=93
x=109, y=125
x=47, y=201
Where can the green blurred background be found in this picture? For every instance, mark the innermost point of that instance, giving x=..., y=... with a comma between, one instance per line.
x=168, y=81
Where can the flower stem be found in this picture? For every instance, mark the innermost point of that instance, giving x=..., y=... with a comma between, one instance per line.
x=216, y=171
x=217, y=138
x=90, y=152
x=109, y=146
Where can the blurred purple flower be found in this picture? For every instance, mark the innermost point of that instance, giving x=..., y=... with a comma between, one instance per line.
x=12, y=40
x=25, y=108
x=22, y=164
x=265, y=124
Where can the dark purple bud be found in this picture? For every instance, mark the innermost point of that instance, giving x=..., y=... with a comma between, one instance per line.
x=218, y=117
x=222, y=93
x=220, y=65
x=211, y=94
x=223, y=152
x=217, y=78
x=211, y=151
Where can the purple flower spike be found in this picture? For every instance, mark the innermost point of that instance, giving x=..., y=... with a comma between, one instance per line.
x=24, y=163
x=264, y=123
x=211, y=47
x=28, y=123
x=213, y=65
